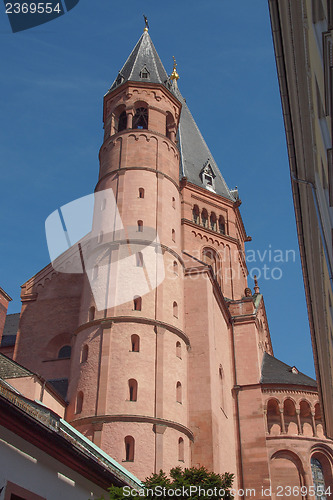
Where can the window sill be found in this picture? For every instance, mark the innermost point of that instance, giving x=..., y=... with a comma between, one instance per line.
x=55, y=359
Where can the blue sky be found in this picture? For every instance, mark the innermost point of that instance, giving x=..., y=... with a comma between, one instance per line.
x=52, y=84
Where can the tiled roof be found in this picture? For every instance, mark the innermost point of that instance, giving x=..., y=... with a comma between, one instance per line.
x=274, y=371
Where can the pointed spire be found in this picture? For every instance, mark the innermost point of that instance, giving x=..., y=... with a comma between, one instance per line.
x=197, y=163
x=143, y=64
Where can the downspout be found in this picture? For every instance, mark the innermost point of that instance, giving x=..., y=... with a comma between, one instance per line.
x=235, y=391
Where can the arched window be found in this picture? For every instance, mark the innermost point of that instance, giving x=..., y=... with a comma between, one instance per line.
x=137, y=303
x=135, y=343
x=210, y=258
x=65, y=352
x=306, y=419
x=100, y=237
x=122, y=121
x=173, y=202
x=221, y=377
x=79, y=402
x=95, y=272
x=173, y=235
x=213, y=221
x=178, y=350
x=133, y=389
x=273, y=417
x=91, y=315
x=196, y=214
x=140, y=119
x=139, y=259
x=140, y=226
x=181, y=450
x=175, y=267
x=175, y=309
x=290, y=417
x=221, y=225
x=170, y=127
x=204, y=218
x=129, y=449
x=318, y=478
x=141, y=193
x=179, y=392
x=84, y=354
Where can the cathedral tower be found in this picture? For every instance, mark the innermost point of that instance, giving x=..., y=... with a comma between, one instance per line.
x=149, y=321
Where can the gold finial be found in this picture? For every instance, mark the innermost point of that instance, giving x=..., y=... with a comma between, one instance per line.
x=146, y=24
x=174, y=74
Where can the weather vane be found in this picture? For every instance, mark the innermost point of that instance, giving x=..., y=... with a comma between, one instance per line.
x=146, y=23
x=174, y=74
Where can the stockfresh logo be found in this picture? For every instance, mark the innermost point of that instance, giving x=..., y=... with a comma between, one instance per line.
x=23, y=14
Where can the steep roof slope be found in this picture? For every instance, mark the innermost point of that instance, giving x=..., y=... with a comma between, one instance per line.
x=144, y=65
x=274, y=371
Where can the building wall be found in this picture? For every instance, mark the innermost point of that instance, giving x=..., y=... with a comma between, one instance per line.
x=302, y=35
x=27, y=467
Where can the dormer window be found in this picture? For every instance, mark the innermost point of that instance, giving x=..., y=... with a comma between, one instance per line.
x=207, y=176
x=119, y=79
x=209, y=179
x=144, y=73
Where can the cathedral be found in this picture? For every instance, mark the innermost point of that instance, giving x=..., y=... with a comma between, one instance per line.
x=147, y=326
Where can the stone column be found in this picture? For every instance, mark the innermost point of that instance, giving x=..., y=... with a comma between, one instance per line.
x=313, y=423
x=283, y=426
x=299, y=421
x=130, y=114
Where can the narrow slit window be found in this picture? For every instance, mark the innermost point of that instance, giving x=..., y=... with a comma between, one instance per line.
x=139, y=259
x=91, y=315
x=178, y=350
x=175, y=267
x=175, y=309
x=133, y=389
x=140, y=226
x=129, y=449
x=79, y=402
x=141, y=193
x=179, y=392
x=137, y=303
x=135, y=343
x=181, y=450
x=85, y=352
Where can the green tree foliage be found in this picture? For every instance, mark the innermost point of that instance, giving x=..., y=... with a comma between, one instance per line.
x=183, y=484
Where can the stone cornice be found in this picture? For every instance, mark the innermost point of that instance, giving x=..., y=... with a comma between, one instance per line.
x=97, y=419
x=147, y=169
x=133, y=319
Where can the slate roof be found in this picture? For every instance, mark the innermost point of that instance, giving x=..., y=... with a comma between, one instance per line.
x=11, y=324
x=274, y=371
x=194, y=152
x=60, y=385
x=143, y=56
x=11, y=369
